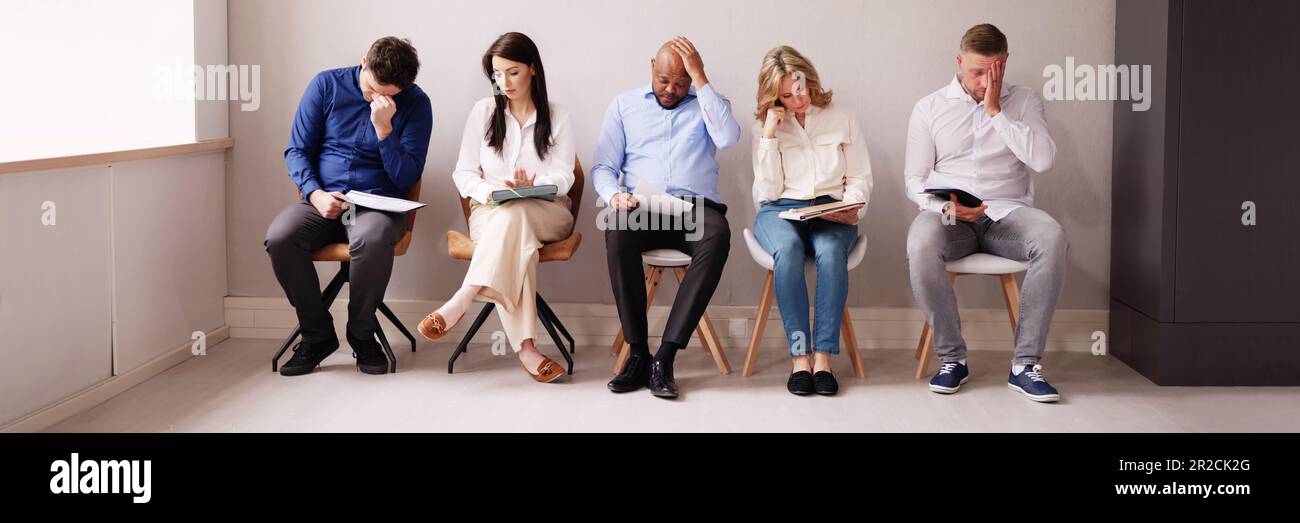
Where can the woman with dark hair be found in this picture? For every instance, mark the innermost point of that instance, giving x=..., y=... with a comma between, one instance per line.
x=514, y=138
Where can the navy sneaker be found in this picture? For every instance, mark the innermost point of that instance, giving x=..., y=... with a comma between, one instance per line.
x=950, y=378
x=1030, y=382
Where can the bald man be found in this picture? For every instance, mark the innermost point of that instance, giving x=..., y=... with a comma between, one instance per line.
x=664, y=134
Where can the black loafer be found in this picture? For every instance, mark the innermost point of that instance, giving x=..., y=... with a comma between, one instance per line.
x=800, y=383
x=635, y=374
x=824, y=383
x=662, y=384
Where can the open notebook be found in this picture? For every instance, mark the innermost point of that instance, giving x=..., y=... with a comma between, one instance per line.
x=380, y=203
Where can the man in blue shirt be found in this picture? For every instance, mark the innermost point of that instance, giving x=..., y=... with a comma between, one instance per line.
x=664, y=134
x=364, y=128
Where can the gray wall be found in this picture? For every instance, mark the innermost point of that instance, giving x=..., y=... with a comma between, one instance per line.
x=878, y=56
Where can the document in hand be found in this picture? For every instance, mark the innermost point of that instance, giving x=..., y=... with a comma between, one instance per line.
x=963, y=197
x=814, y=211
x=381, y=203
x=653, y=198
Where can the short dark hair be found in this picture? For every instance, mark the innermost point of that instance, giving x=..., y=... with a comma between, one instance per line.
x=985, y=40
x=393, y=61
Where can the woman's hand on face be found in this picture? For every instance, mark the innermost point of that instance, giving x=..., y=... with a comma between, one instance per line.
x=521, y=179
x=775, y=115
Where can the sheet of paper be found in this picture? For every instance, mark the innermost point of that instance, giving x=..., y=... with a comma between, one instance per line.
x=653, y=198
x=381, y=203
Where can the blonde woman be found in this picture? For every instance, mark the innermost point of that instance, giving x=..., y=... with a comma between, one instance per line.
x=512, y=139
x=807, y=151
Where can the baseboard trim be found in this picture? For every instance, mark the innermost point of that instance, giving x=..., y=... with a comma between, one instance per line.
x=105, y=390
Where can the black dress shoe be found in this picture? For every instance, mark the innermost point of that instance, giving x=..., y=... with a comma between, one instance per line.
x=370, y=356
x=636, y=373
x=661, y=380
x=307, y=356
x=825, y=384
x=800, y=383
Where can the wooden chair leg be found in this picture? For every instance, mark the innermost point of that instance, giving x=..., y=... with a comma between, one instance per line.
x=923, y=349
x=618, y=339
x=920, y=345
x=719, y=353
x=621, y=347
x=760, y=323
x=707, y=334
x=680, y=274
x=851, y=343
x=1011, y=294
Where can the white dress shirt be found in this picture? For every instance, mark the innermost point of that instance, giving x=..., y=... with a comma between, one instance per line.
x=827, y=156
x=953, y=143
x=480, y=170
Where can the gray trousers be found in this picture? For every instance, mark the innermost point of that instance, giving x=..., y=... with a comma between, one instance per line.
x=298, y=230
x=1027, y=234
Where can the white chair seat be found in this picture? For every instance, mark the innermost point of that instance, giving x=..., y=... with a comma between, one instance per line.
x=665, y=258
x=984, y=263
x=764, y=259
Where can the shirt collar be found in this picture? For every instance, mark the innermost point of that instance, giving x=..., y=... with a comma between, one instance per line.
x=648, y=91
x=955, y=91
x=532, y=118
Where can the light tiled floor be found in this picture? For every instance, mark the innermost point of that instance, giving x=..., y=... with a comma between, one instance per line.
x=232, y=388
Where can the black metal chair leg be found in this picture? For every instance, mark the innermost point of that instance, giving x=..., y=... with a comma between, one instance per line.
x=550, y=328
x=275, y=361
x=542, y=306
x=388, y=313
x=469, y=335
x=327, y=298
x=388, y=351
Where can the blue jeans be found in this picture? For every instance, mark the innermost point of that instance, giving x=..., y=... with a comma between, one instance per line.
x=790, y=242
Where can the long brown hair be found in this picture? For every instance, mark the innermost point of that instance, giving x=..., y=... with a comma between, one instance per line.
x=519, y=48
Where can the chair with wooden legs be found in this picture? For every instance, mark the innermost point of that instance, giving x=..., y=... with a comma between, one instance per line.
x=978, y=263
x=656, y=260
x=768, y=298
x=338, y=252
x=461, y=247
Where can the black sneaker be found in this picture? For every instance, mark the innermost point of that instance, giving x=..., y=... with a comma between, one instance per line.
x=824, y=383
x=370, y=356
x=307, y=356
x=636, y=373
x=800, y=383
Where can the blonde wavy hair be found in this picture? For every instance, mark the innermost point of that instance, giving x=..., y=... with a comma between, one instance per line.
x=778, y=63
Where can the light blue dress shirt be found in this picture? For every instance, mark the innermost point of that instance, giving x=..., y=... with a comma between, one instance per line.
x=674, y=148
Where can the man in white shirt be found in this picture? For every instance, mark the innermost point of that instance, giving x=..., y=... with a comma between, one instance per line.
x=978, y=136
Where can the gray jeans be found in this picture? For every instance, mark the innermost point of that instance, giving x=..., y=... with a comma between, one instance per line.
x=1027, y=234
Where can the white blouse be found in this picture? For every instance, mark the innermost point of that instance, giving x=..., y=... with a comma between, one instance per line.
x=825, y=157
x=480, y=170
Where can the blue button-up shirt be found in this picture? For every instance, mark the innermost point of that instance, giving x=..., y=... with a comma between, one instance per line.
x=673, y=148
x=333, y=145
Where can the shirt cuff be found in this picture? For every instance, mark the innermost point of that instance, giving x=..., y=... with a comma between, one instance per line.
x=935, y=204
x=481, y=193
x=769, y=144
x=309, y=187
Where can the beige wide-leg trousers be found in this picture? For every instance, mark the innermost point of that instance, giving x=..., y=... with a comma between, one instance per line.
x=507, y=238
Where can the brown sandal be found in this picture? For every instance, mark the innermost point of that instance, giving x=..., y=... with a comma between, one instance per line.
x=433, y=326
x=547, y=371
